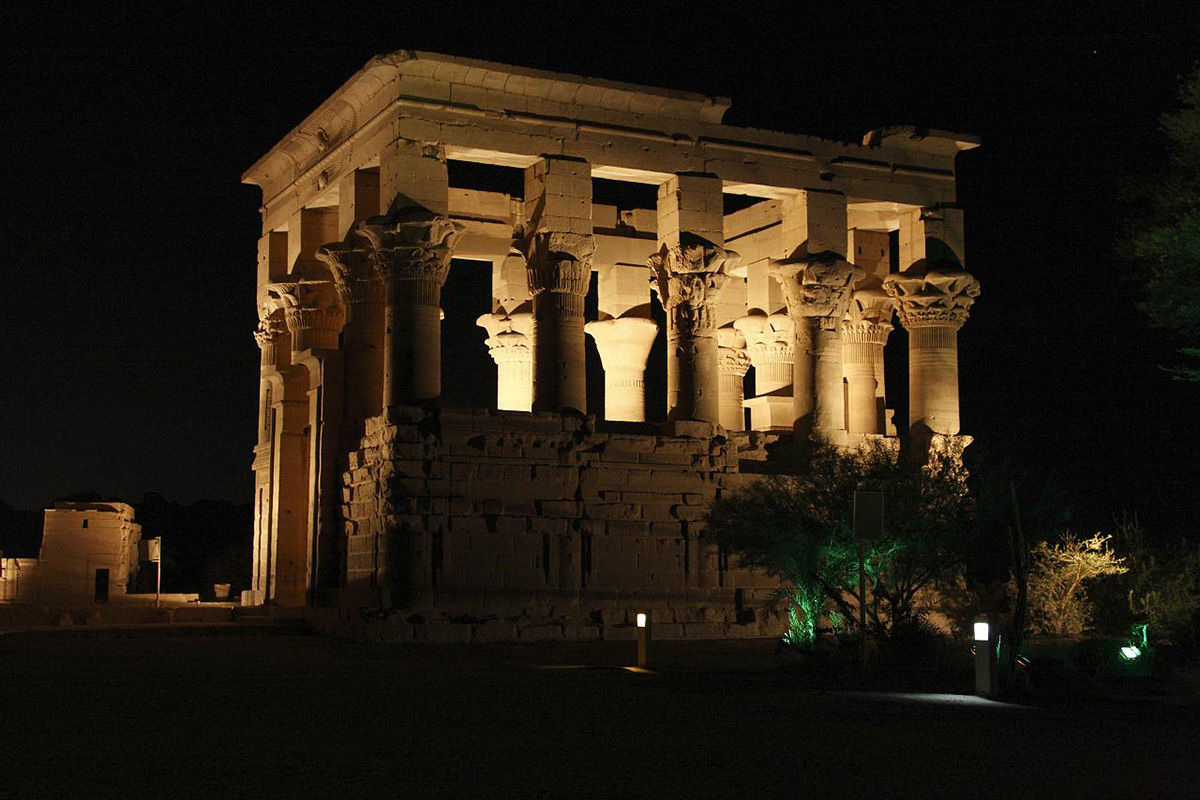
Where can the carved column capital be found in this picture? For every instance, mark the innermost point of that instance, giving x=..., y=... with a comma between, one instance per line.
x=508, y=336
x=689, y=279
x=816, y=289
x=411, y=250
x=272, y=338
x=768, y=338
x=313, y=312
x=558, y=261
x=869, y=317
x=938, y=297
x=732, y=358
x=354, y=274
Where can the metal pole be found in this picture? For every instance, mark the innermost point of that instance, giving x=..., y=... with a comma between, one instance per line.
x=862, y=604
x=158, y=582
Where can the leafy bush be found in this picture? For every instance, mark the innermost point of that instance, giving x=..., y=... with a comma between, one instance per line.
x=799, y=527
x=1058, y=579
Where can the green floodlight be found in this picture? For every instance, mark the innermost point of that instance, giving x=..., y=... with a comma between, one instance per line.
x=1130, y=652
x=1139, y=641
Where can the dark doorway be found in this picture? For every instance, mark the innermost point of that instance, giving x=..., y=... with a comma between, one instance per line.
x=101, y=586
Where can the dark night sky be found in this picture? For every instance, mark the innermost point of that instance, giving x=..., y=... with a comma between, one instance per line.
x=127, y=363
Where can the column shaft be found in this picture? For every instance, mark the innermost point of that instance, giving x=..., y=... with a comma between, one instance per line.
x=860, y=382
x=804, y=373
x=933, y=379
x=560, y=380
x=509, y=343
x=362, y=345
x=413, y=342
x=624, y=345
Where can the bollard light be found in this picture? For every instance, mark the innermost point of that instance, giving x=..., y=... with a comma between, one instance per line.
x=643, y=638
x=986, y=674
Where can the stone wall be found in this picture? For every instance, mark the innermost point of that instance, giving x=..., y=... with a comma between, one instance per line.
x=471, y=524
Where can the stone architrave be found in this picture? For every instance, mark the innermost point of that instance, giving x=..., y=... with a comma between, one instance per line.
x=511, y=347
x=411, y=250
x=689, y=278
x=559, y=268
x=934, y=302
x=732, y=365
x=624, y=346
x=864, y=333
x=362, y=294
x=817, y=291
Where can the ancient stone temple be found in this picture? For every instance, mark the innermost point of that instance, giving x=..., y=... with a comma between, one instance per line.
x=761, y=278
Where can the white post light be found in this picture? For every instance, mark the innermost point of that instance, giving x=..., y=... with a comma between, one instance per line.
x=643, y=638
x=986, y=673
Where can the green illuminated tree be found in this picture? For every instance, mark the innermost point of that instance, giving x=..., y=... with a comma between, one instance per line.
x=1166, y=240
x=799, y=527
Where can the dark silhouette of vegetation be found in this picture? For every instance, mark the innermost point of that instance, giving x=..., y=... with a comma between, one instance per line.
x=20, y=532
x=799, y=527
x=1165, y=236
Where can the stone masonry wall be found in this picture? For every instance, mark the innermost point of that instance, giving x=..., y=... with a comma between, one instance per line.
x=512, y=526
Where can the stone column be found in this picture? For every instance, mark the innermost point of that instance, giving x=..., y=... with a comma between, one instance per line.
x=689, y=273
x=864, y=333
x=559, y=271
x=770, y=346
x=624, y=346
x=411, y=250
x=362, y=294
x=510, y=346
x=313, y=311
x=689, y=281
x=315, y=316
x=818, y=295
x=934, y=302
x=275, y=346
x=816, y=280
x=558, y=246
x=274, y=342
x=732, y=365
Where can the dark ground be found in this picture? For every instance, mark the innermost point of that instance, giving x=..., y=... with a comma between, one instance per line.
x=243, y=716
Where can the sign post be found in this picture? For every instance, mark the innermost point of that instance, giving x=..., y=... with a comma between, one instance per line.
x=868, y=526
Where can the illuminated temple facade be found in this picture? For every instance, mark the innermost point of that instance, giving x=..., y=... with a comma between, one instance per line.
x=762, y=280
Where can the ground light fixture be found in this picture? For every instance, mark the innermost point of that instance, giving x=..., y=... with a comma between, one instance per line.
x=986, y=673
x=643, y=638
x=1139, y=642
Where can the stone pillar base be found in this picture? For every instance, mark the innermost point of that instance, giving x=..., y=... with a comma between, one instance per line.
x=772, y=412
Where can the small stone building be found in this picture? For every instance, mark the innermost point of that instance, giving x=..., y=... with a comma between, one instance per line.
x=760, y=281
x=18, y=580
x=89, y=553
